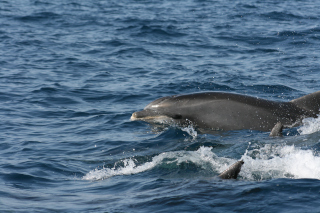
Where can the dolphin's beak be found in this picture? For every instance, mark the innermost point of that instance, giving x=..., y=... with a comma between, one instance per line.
x=144, y=114
x=149, y=116
x=134, y=116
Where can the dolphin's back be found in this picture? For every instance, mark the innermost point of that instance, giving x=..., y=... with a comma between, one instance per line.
x=310, y=103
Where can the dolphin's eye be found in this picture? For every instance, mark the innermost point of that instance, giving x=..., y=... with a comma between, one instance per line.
x=177, y=116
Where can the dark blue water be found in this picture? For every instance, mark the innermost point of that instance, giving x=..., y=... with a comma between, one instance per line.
x=73, y=72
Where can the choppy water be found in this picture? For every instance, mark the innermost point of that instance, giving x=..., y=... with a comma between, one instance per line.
x=73, y=72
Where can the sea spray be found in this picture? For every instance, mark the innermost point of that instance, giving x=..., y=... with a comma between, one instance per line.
x=261, y=163
x=280, y=161
x=201, y=157
x=309, y=126
x=190, y=130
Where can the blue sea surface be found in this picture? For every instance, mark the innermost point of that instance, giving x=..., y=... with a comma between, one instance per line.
x=72, y=73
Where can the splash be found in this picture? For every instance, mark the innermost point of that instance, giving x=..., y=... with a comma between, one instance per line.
x=261, y=163
x=280, y=161
x=129, y=168
x=190, y=130
x=201, y=157
x=309, y=126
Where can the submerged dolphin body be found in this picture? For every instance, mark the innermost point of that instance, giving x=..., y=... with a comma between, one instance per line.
x=228, y=111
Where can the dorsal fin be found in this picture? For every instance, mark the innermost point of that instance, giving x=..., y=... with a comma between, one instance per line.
x=233, y=171
x=310, y=103
x=276, y=130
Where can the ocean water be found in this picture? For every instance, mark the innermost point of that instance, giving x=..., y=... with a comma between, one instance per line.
x=72, y=73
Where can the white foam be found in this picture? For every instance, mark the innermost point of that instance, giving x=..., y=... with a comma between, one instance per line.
x=262, y=163
x=309, y=126
x=200, y=157
x=190, y=130
x=280, y=161
x=129, y=168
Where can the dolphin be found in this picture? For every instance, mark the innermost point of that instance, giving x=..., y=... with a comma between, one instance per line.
x=229, y=111
x=233, y=171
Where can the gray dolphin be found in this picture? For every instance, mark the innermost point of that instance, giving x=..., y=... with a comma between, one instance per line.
x=229, y=111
